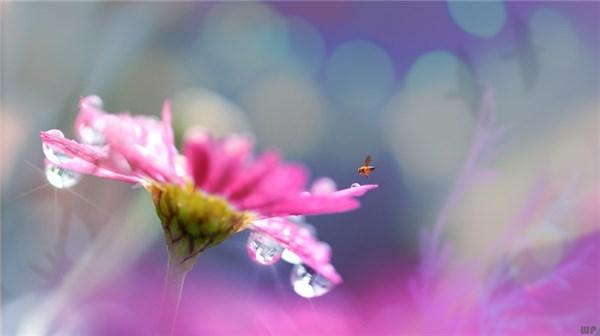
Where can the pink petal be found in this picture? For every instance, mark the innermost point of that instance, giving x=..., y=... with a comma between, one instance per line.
x=168, y=137
x=198, y=148
x=89, y=116
x=311, y=205
x=140, y=140
x=228, y=156
x=284, y=182
x=355, y=191
x=238, y=149
x=248, y=179
x=84, y=167
x=299, y=240
x=135, y=147
x=323, y=185
x=85, y=159
x=70, y=147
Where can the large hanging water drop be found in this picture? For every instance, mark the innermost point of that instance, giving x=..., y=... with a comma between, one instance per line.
x=61, y=178
x=354, y=185
x=52, y=154
x=263, y=249
x=308, y=283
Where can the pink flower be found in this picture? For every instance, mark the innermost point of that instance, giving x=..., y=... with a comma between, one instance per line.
x=216, y=188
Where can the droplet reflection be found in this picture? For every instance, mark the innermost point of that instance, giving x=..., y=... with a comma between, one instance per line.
x=61, y=178
x=263, y=249
x=290, y=257
x=52, y=154
x=91, y=136
x=94, y=102
x=308, y=283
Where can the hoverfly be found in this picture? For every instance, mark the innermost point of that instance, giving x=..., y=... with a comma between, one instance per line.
x=365, y=170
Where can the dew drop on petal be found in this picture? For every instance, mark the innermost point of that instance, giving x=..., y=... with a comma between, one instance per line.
x=61, y=178
x=306, y=230
x=322, y=251
x=263, y=249
x=92, y=102
x=91, y=136
x=52, y=154
x=296, y=219
x=286, y=232
x=308, y=283
x=354, y=185
x=290, y=257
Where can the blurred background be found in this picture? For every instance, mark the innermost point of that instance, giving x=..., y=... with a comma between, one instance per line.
x=325, y=83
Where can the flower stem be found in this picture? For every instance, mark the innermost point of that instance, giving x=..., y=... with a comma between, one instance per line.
x=171, y=295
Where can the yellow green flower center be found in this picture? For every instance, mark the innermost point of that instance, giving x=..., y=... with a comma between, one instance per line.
x=194, y=221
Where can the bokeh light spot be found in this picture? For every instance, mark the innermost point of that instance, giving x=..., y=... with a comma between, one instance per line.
x=427, y=129
x=555, y=38
x=243, y=39
x=307, y=47
x=202, y=107
x=359, y=75
x=287, y=112
x=478, y=18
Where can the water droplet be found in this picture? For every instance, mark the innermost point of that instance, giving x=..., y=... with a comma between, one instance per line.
x=52, y=154
x=92, y=102
x=308, y=283
x=307, y=230
x=322, y=251
x=290, y=257
x=91, y=136
x=263, y=249
x=296, y=219
x=61, y=178
x=354, y=185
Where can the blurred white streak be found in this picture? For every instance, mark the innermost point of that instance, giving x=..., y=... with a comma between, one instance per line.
x=119, y=244
x=485, y=136
x=126, y=32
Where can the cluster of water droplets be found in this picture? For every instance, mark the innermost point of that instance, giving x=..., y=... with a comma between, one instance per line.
x=88, y=134
x=305, y=281
x=56, y=176
x=63, y=178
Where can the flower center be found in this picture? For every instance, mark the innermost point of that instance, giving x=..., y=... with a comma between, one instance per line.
x=194, y=221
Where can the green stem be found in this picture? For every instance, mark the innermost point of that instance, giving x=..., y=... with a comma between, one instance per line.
x=171, y=296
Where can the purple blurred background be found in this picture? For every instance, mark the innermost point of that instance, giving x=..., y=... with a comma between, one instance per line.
x=326, y=83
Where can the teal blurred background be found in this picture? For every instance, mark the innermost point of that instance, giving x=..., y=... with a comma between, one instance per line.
x=326, y=84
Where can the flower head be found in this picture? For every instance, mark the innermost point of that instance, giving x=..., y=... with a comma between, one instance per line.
x=214, y=189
